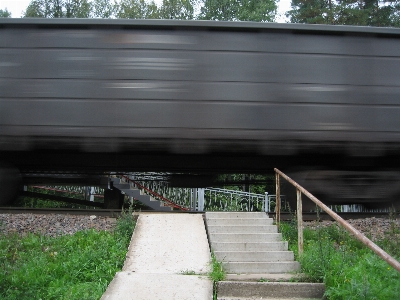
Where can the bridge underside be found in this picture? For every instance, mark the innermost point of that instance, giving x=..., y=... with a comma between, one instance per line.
x=242, y=162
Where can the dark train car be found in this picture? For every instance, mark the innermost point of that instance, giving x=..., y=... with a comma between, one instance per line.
x=195, y=96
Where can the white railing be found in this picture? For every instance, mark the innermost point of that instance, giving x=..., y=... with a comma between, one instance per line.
x=216, y=199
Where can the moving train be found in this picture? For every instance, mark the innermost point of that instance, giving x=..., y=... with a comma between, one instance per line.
x=322, y=103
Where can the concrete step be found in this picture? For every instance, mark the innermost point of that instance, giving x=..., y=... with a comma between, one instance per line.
x=269, y=290
x=255, y=298
x=238, y=221
x=236, y=215
x=261, y=267
x=266, y=277
x=254, y=256
x=138, y=195
x=236, y=246
x=242, y=229
x=246, y=237
x=122, y=186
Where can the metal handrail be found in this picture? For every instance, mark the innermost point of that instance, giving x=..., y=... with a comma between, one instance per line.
x=154, y=194
x=389, y=259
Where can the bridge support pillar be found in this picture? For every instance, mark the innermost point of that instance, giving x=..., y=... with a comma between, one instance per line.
x=113, y=199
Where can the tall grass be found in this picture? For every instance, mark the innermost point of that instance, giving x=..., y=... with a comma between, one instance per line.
x=348, y=268
x=78, y=266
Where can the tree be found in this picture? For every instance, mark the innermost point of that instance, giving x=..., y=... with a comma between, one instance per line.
x=58, y=9
x=177, y=9
x=103, y=8
x=138, y=9
x=345, y=12
x=239, y=10
x=5, y=13
x=311, y=11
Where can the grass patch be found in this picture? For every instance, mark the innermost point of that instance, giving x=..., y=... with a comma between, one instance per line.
x=348, y=268
x=78, y=266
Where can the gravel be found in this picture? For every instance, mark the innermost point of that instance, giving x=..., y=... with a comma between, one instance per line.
x=373, y=228
x=56, y=224
x=53, y=224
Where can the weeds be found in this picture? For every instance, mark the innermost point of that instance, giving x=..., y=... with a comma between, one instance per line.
x=79, y=266
x=217, y=273
x=348, y=268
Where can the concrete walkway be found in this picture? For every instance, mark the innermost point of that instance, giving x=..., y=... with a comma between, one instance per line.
x=163, y=248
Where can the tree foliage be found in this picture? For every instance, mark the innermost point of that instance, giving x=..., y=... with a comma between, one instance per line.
x=177, y=9
x=103, y=9
x=58, y=9
x=345, y=12
x=5, y=13
x=238, y=10
x=226, y=10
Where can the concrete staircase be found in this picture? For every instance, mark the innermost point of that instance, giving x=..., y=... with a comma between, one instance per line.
x=251, y=250
x=147, y=200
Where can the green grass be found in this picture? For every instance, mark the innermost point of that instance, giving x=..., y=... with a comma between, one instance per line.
x=78, y=266
x=348, y=268
x=217, y=273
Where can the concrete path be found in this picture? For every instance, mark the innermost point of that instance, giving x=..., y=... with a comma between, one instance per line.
x=163, y=248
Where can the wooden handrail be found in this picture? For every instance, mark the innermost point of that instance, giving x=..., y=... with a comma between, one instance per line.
x=390, y=260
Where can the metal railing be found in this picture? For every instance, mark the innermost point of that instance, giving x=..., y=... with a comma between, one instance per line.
x=87, y=192
x=230, y=200
x=358, y=235
x=152, y=193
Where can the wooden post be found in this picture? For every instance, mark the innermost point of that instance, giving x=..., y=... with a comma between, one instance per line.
x=299, y=222
x=277, y=200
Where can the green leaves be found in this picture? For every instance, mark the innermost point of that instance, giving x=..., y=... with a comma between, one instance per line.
x=345, y=12
x=234, y=10
x=137, y=9
x=222, y=10
x=5, y=13
x=58, y=9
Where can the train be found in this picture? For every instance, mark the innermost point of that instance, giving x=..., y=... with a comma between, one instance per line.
x=320, y=102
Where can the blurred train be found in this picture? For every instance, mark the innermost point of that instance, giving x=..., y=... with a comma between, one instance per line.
x=320, y=102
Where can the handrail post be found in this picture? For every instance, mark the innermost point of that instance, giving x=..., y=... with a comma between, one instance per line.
x=299, y=222
x=277, y=200
x=358, y=235
x=266, y=203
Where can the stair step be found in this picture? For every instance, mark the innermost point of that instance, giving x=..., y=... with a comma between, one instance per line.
x=279, y=298
x=242, y=229
x=254, y=256
x=258, y=246
x=261, y=267
x=266, y=277
x=237, y=215
x=239, y=221
x=122, y=186
x=269, y=290
x=245, y=237
x=135, y=193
